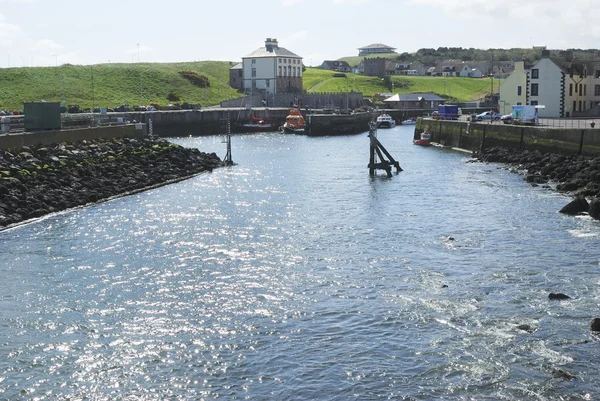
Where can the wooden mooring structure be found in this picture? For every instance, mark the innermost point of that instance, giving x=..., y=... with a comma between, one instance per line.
x=378, y=151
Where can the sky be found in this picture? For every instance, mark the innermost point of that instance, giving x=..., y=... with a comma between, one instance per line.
x=55, y=32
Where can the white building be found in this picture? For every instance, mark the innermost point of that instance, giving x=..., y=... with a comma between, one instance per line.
x=272, y=69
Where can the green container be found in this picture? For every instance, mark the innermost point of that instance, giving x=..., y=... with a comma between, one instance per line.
x=42, y=116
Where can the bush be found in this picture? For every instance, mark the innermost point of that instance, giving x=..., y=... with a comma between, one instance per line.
x=173, y=97
x=196, y=79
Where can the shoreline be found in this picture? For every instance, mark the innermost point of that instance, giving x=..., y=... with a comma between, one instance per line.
x=38, y=181
x=578, y=176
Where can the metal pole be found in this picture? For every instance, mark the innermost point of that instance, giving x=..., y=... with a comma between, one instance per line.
x=141, y=102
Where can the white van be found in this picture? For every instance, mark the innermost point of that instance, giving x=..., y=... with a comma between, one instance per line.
x=412, y=72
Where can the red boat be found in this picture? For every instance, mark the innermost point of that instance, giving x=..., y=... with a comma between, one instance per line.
x=424, y=140
x=257, y=125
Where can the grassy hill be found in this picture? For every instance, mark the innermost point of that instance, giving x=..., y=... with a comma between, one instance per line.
x=142, y=83
x=115, y=84
x=454, y=88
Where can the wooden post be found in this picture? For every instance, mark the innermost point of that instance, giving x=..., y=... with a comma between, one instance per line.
x=377, y=148
x=581, y=142
x=481, y=147
x=522, y=136
x=460, y=134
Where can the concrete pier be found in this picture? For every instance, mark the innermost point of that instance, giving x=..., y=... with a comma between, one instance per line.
x=476, y=136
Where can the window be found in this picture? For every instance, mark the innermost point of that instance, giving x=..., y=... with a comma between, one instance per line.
x=253, y=61
x=570, y=89
x=574, y=105
x=596, y=90
x=535, y=73
x=519, y=90
x=534, y=102
x=280, y=72
x=254, y=72
x=285, y=71
x=597, y=74
x=580, y=106
x=279, y=61
x=267, y=83
x=519, y=103
x=534, y=89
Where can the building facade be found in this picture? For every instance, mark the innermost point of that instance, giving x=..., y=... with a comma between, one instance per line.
x=513, y=91
x=271, y=69
x=375, y=48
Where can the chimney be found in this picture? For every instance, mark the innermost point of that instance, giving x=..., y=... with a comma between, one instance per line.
x=271, y=44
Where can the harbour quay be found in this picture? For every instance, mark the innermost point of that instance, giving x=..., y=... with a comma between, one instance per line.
x=477, y=136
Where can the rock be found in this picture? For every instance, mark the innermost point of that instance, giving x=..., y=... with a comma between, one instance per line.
x=575, y=207
x=594, y=209
x=595, y=325
x=562, y=374
x=558, y=296
x=526, y=327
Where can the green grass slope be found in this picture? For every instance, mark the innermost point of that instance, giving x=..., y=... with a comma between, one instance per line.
x=454, y=88
x=115, y=84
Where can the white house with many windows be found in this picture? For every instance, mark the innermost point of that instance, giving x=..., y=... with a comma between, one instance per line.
x=272, y=69
x=567, y=88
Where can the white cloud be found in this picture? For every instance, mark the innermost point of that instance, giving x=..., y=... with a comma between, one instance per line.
x=8, y=32
x=46, y=45
x=297, y=36
x=342, y=2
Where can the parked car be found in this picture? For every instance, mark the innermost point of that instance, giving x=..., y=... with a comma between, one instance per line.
x=506, y=119
x=488, y=115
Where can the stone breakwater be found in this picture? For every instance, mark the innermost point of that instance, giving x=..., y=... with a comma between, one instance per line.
x=38, y=180
x=578, y=175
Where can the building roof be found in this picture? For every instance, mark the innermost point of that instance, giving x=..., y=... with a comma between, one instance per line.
x=238, y=66
x=337, y=63
x=276, y=52
x=377, y=46
x=414, y=97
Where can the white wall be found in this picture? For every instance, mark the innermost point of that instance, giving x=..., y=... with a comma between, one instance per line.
x=265, y=69
x=549, y=87
x=509, y=89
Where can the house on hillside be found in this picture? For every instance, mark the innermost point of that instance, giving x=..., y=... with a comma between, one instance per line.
x=379, y=67
x=336, y=65
x=236, y=77
x=413, y=101
x=565, y=87
x=375, y=48
x=271, y=69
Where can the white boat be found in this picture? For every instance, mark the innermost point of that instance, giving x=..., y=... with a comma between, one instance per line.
x=385, y=121
x=410, y=121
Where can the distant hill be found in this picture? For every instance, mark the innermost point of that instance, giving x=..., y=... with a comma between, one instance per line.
x=204, y=82
x=431, y=56
x=452, y=88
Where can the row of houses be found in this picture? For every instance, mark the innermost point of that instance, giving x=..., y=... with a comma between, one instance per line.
x=565, y=87
x=381, y=67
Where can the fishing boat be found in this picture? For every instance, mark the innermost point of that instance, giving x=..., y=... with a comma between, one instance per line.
x=256, y=125
x=385, y=121
x=424, y=139
x=294, y=123
x=410, y=121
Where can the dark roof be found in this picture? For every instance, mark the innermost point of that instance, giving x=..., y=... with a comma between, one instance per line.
x=238, y=66
x=337, y=63
x=277, y=52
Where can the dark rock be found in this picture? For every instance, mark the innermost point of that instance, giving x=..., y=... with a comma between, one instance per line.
x=595, y=325
x=526, y=327
x=575, y=207
x=594, y=209
x=562, y=374
x=558, y=296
